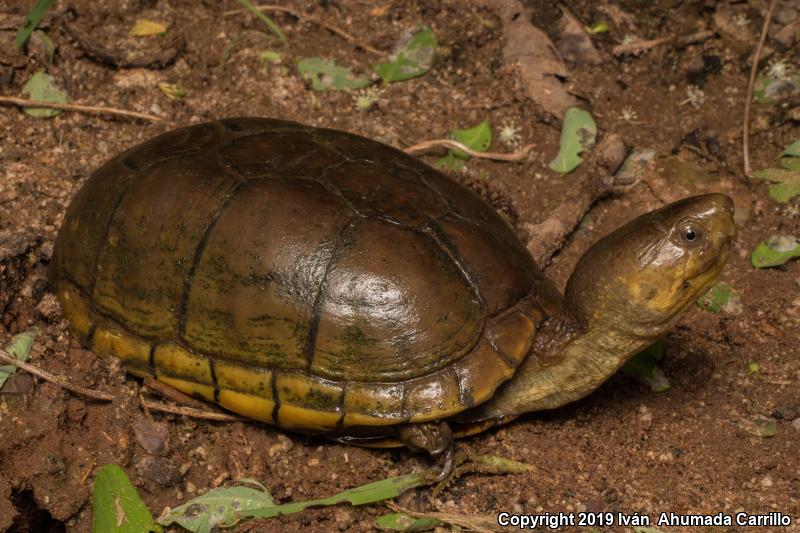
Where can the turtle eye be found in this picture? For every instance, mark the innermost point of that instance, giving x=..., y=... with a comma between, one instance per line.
x=691, y=235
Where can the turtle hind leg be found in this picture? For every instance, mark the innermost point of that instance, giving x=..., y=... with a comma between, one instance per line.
x=436, y=438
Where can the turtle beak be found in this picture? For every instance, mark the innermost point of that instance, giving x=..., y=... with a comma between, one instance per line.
x=720, y=212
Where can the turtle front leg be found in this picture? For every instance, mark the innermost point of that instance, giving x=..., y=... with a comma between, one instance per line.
x=436, y=438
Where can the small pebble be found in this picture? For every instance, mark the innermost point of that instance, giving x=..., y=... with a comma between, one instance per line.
x=159, y=470
x=48, y=308
x=284, y=444
x=152, y=436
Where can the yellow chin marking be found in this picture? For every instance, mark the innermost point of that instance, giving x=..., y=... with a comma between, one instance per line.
x=651, y=291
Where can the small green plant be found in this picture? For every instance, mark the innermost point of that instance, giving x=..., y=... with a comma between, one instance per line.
x=32, y=19
x=644, y=367
x=366, y=98
x=119, y=509
x=406, y=523
x=722, y=297
x=785, y=180
x=265, y=19
x=478, y=138
x=413, y=57
x=777, y=81
x=227, y=506
x=325, y=75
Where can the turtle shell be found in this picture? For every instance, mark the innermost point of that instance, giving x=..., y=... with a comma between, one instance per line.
x=306, y=277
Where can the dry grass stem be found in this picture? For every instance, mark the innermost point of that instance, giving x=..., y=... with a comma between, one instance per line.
x=58, y=380
x=449, y=143
x=748, y=98
x=93, y=110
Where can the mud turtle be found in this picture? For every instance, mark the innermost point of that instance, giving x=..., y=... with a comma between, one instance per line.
x=327, y=283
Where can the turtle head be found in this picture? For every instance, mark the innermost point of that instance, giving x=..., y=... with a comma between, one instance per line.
x=640, y=279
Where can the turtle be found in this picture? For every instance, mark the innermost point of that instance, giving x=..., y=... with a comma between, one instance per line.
x=330, y=284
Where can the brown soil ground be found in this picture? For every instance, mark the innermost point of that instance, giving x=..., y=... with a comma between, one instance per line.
x=695, y=448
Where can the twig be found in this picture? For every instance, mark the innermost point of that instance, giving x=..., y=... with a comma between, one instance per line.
x=306, y=18
x=159, y=56
x=144, y=406
x=596, y=179
x=94, y=110
x=449, y=143
x=58, y=380
x=191, y=412
x=749, y=96
x=481, y=524
x=637, y=47
x=171, y=394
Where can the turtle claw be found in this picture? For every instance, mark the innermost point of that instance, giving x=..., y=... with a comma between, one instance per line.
x=447, y=461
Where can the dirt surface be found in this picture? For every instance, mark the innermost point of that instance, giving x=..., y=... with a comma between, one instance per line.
x=696, y=448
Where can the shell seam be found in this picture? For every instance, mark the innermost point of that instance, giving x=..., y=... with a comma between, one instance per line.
x=198, y=254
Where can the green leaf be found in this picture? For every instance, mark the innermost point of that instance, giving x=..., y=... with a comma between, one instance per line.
x=776, y=251
x=225, y=507
x=644, y=367
x=32, y=19
x=270, y=56
x=783, y=192
x=404, y=522
x=172, y=91
x=792, y=150
x=144, y=28
x=787, y=181
x=773, y=174
x=117, y=506
x=501, y=465
x=791, y=163
x=450, y=162
x=265, y=19
x=41, y=87
x=766, y=428
x=44, y=45
x=325, y=74
x=478, y=138
x=412, y=57
x=20, y=348
x=578, y=135
x=721, y=297
x=597, y=27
